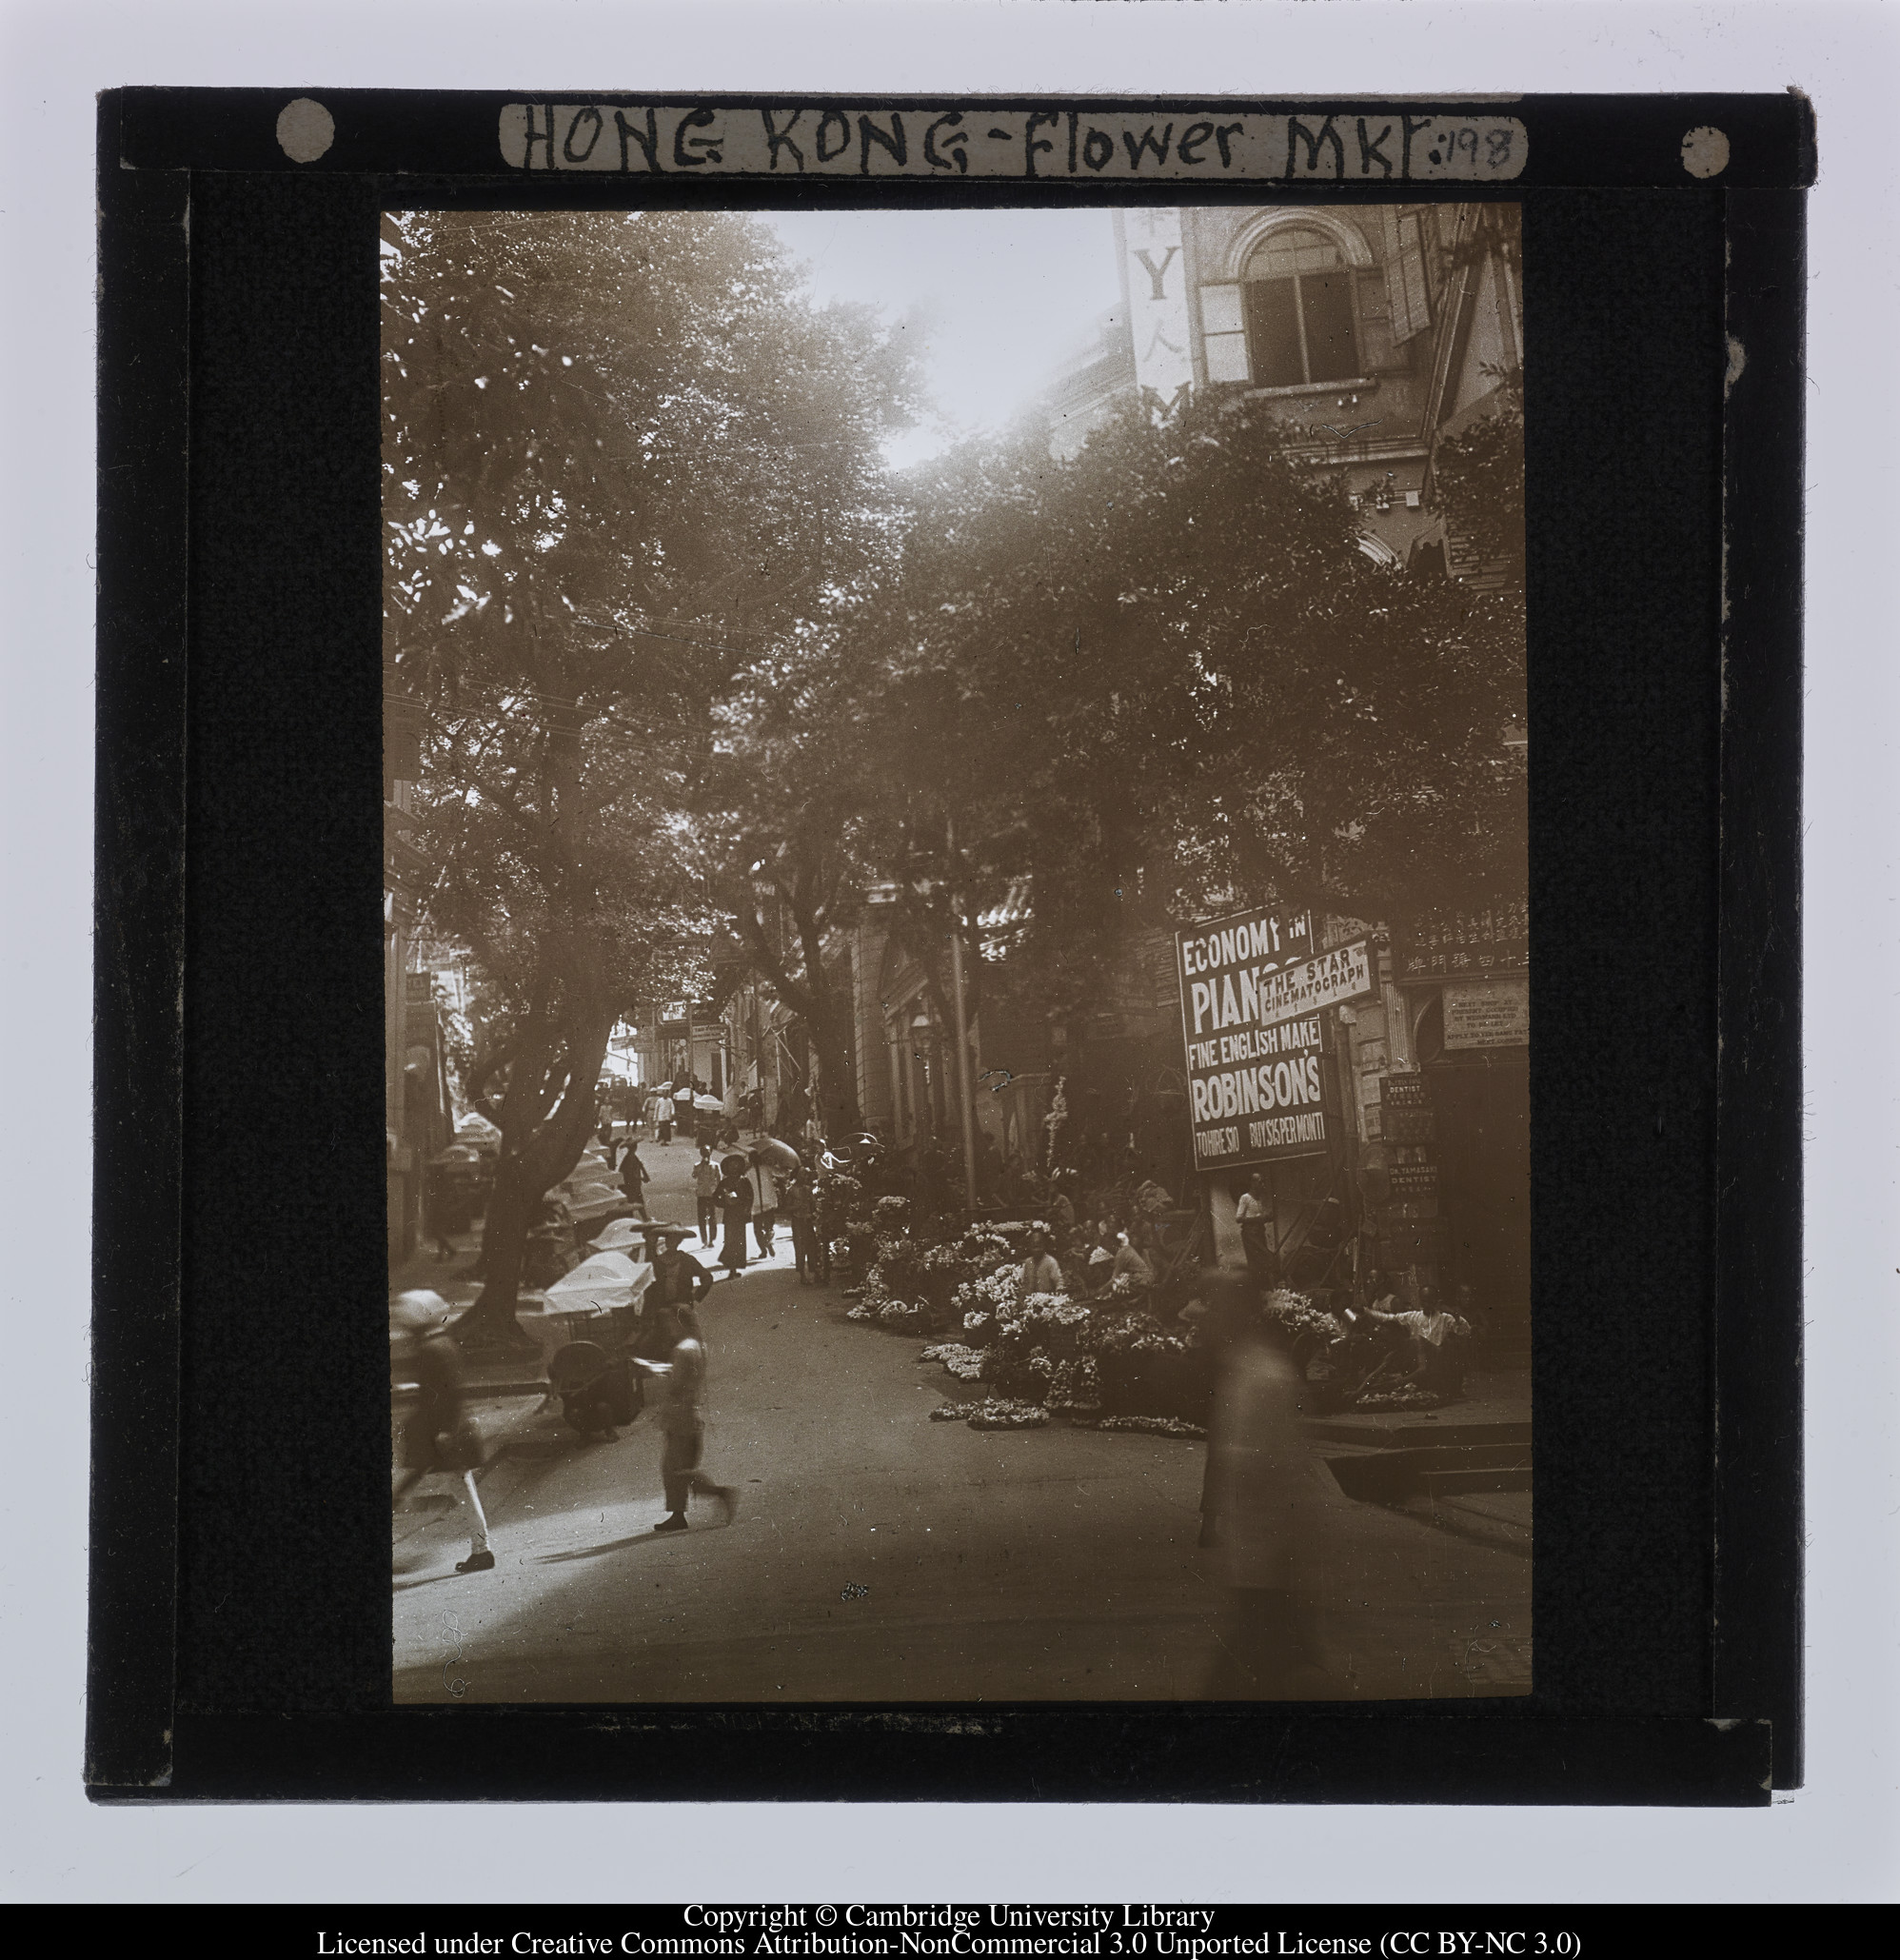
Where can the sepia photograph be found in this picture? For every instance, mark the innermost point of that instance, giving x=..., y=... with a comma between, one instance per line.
x=956, y=954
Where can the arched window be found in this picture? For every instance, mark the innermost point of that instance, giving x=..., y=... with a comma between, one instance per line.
x=1299, y=310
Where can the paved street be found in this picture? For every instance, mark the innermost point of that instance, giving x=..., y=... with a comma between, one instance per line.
x=880, y=1557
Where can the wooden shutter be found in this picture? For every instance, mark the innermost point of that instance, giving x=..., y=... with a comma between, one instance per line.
x=1411, y=300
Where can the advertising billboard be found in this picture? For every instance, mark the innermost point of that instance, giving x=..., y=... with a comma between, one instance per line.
x=1252, y=988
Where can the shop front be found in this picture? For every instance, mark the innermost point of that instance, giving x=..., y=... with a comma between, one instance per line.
x=1464, y=978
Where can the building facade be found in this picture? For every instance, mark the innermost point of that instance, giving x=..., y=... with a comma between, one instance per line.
x=1376, y=330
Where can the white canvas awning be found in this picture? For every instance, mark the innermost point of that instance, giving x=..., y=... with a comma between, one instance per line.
x=599, y=1284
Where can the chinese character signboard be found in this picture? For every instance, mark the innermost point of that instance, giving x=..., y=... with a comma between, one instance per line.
x=1464, y=945
x=1251, y=990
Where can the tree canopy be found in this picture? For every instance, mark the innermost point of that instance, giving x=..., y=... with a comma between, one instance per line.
x=692, y=657
x=623, y=456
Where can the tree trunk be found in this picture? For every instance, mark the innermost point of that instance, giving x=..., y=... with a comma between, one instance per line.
x=836, y=1066
x=504, y=1247
x=570, y=1068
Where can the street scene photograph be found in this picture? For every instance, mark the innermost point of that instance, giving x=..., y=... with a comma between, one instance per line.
x=956, y=939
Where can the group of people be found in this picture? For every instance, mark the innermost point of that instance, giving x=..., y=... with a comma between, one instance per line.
x=670, y=1353
x=756, y=1186
x=1117, y=1248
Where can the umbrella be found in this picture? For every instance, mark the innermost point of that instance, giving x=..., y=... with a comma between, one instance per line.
x=663, y=1088
x=779, y=1155
x=711, y=1105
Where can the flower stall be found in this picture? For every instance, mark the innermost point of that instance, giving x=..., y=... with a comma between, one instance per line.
x=1106, y=1361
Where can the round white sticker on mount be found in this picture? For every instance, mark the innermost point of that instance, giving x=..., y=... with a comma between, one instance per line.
x=1705, y=152
x=305, y=131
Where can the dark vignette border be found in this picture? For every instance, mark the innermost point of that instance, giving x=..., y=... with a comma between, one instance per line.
x=239, y=1642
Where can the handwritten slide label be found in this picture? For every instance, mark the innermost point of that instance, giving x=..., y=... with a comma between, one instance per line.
x=1412, y=145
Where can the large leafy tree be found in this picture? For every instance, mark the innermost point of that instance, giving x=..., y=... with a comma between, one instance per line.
x=1165, y=676
x=622, y=454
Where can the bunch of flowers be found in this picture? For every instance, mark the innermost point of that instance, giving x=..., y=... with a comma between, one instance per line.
x=1031, y=1338
x=841, y=1250
x=986, y=1301
x=841, y=1197
x=1012, y=1231
x=901, y=1316
x=900, y=1266
x=1399, y=1398
x=890, y=1212
x=966, y=1364
x=954, y=1412
x=1143, y=1368
x=975, y=1253
x=1004, y=1413
x=1298, y=1314
x=1073, y=1386
x=1121, y=1334
x=1151, y=1425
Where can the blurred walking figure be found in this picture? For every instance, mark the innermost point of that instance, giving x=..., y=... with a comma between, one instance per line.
x=706, y=1180
x=633, y=1176
x=1256, y=1501
x=735, y=1205
x=765, y=1201
x=681, y=1419
x=437, y=1436
x=609, y=1140
x=663, y=1119
x=803, y=1212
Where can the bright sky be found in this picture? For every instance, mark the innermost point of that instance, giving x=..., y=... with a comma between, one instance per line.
x=1009, y=293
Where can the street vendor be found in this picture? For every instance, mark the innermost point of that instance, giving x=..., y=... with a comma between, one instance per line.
x=1062, y=1210
x=1251, y=1212
x=1041, y=1272
x=678, y=1280
x=1437, y=1345
x=1129, y=1264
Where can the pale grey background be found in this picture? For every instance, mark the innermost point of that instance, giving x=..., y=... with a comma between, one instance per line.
x=1833, y=1842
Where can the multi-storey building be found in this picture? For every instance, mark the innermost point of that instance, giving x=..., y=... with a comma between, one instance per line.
x=1376, y=330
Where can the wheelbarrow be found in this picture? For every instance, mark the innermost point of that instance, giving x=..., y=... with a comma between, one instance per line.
x=599, y=1390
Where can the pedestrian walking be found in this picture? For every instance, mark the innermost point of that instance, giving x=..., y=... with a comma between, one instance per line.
x=1256, y=1501
x=735, y=1205
x=681, y=1419
x=679, y=1280
x=444, y=1207
x=608, y=1141
x=764, y=1202
x=633, y=1176
x=706, y=1180
x=682, y=1107
x=662, y=1118
x=802, y=1211
x=438, y=1435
